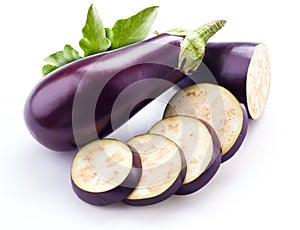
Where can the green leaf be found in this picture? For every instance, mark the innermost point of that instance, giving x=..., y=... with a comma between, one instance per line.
x=48, y=69
x=94, y=37
x=133, y=29
x=60, y=58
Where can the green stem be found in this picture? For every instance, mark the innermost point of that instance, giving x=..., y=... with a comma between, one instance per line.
x=192, y=49
x=206, y=31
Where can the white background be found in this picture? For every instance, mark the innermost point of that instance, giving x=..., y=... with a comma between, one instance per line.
x=257, y=189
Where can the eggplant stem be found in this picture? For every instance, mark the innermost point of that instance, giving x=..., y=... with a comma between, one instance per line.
x=206, y=31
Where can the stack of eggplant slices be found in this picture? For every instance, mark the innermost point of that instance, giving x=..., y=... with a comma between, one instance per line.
x=203, y=125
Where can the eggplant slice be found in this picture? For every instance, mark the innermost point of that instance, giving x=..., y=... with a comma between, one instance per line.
x=105, y=172
x=200, y=149
x=163, y=169
x=216, y=106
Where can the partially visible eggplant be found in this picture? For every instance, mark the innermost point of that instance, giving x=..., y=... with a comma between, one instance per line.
x=216, y=106
x=163, y=169
x=201, y=150
x=105, y=172
x=241, y=67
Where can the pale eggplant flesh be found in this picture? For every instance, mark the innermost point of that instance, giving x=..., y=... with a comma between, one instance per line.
x=105, y=171
x=200, y=148
x=163, y=169
x=216, y=106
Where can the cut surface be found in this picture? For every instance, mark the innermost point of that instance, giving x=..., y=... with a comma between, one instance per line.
x=212, y=104
x=101, y=165
x=194, y=139
x=161, y=165
x=258, y=81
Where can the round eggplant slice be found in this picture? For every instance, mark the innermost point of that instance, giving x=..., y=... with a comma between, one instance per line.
x=216, y=106
x=198, y=146
x=163, y=169
x=105, y=172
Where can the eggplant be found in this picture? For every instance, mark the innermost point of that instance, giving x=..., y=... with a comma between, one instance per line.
x=91, y=97
x=163, y=169
x=241, y=67
x=105, y=172
x=216, y=106
x=74, y=104
x=202, y=151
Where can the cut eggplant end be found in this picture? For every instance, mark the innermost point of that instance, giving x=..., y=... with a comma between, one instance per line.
x=194, y=139
x=258, y=81
x=162, y=169
x=105, y=172
x=212, y=104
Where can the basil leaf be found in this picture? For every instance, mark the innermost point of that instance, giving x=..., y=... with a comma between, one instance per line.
x=133, y=29
x=94, y=37
x=60, y=58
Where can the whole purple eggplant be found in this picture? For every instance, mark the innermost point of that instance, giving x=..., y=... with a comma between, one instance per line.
x=89, y=98
x=73, y=105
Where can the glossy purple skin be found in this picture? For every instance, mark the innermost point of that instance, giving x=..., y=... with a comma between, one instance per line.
x=210, y=171
x=229, y=64
x=166, y=194
x=240, y=138
x=117, y=194
x=50, y=112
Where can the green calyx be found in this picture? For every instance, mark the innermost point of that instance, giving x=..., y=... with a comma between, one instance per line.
x=193, y=46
